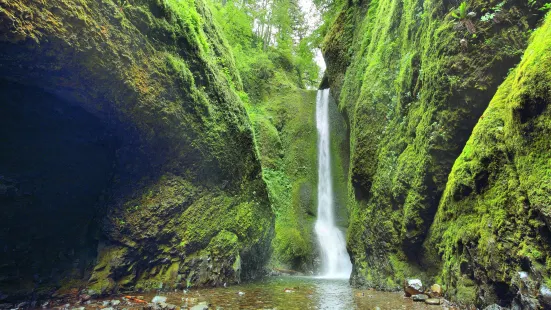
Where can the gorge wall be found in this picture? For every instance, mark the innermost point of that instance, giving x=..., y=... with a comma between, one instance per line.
x=429, y=196
x=283, y=117
x=128, y=159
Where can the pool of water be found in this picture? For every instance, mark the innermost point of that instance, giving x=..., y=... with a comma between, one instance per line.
x=283, y=293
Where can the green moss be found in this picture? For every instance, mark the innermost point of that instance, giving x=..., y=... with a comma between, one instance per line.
x=102, y=280
x=487, y=222
x=286, y=138
x=411, y=94
x=163, y=74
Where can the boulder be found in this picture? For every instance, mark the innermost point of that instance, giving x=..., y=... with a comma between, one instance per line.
x=84, y=297
x=545, y=296
x=435, y=290
x=413, y=287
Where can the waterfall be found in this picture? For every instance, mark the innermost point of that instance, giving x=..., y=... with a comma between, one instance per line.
x=334, y=257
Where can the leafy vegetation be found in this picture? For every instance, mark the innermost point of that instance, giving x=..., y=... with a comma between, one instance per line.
x=274, y=52
x=213, y=106
x=461, y=12
x=491, y=15
x=268, y=39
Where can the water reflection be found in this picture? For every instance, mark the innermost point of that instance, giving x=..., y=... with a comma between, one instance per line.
x=334, y=294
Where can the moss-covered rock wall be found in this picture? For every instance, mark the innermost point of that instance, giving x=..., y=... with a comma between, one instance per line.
x=285, y=131
x=413, y=80
x=186, y=203
x=284, y=119
x=492, y=225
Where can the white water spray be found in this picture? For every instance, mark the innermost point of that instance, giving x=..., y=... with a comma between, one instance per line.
x=335, y=260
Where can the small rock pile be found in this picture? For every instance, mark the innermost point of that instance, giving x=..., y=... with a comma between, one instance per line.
x=414, y=288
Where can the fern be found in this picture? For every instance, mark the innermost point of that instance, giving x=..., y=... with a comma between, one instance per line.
x=461, y=12
x=462, y=15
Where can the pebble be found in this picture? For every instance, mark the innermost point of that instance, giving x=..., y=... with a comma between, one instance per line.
x=419, y=297
x=158, y=299
x=84, y=297
x=201, y=306
x=165, y=306
x=433, y=301
x=545, y=294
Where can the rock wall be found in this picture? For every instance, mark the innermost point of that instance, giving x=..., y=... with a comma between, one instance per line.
x=492, y=225
x=285, y=131
x=184, y=202
x=413, y=81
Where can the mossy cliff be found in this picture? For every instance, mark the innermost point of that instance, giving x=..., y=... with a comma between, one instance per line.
x=284, y=119
x=413, y=81
x=285, y=132
x=492, y=227
x=181, y=200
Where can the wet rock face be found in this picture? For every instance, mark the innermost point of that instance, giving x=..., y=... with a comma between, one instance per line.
x=172, y=172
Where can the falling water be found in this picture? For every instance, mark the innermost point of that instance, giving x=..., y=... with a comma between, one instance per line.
x=334, y=258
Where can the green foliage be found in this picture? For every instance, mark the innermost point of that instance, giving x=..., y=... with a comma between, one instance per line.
x=262, y=51
x=490, y=15
x=186, y=11
x=124, y=4
x=290, y=245
x=545, y=7
x=491, y=208
x=461, y=12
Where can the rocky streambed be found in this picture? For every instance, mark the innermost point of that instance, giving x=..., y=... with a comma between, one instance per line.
x=283, y=292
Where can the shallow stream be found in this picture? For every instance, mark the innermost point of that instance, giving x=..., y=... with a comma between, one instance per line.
x=279, y=293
